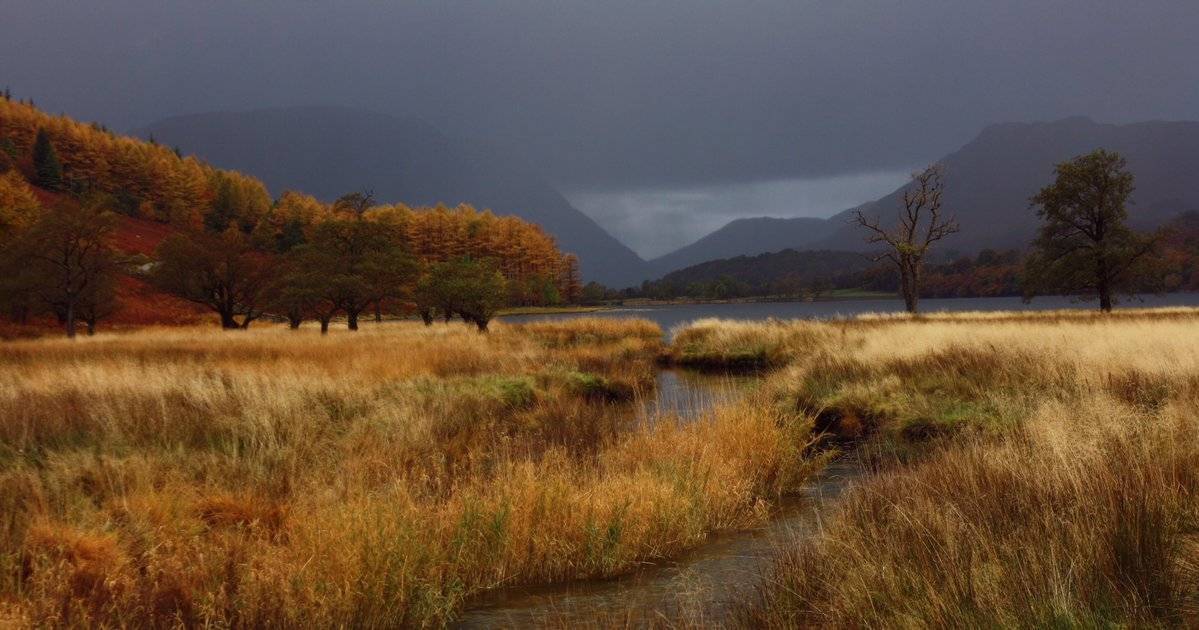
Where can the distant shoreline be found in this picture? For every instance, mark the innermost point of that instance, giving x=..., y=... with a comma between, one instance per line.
x=832, y=296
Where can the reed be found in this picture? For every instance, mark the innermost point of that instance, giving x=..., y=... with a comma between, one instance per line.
x=380, y=478
x=1032, y=470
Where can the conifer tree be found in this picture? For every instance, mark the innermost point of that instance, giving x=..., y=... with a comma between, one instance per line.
x=47, y=168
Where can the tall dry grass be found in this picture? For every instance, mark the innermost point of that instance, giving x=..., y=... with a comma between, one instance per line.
x=377, y=479
x=1047, y=469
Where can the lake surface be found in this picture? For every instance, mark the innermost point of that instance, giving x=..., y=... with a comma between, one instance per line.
x=672, y=315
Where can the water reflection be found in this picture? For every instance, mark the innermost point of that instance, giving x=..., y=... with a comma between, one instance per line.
x=687, y=394
x=701, y=587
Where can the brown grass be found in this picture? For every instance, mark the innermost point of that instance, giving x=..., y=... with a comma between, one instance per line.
x=278, y=478
x=1041, y=469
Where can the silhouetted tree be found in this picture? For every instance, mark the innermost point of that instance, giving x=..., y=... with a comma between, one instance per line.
x=920, y=224
x=1084, y=246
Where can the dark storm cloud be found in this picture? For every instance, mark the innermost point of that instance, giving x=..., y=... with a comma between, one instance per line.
x=623, y=95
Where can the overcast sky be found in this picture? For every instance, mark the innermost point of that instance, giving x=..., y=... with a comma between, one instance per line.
x=644, y=104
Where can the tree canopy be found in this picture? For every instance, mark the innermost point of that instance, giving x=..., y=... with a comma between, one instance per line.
x=1084, y=246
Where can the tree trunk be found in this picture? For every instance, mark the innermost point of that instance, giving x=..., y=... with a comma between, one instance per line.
x=1102, y=286
x=378, y=311
x=426, y=316
x=294, y=322
x=448, y=315
x=352, y=319
x=909, y=281
x=324, y=325
x=482, y=324
x=91, y=326
x=70, y=317
x=227, y=321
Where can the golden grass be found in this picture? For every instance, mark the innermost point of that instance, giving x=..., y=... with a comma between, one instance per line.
x=379, y=478
x=1052, y=474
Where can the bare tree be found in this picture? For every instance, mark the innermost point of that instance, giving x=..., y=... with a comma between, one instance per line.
x=920, y=225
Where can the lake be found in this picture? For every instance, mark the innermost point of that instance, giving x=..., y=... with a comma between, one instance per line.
x=672, y=315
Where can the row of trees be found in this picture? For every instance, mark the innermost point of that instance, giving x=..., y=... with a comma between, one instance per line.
x=349, y=264
x=62, y=260
x=1084, y=246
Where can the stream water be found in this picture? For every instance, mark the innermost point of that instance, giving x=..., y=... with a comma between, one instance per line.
x=704, y=584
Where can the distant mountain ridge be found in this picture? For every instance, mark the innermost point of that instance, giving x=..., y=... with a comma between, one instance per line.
x=987, y=186
x=329, y=151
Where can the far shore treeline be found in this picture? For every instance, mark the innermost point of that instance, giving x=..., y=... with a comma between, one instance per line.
x=78, y=204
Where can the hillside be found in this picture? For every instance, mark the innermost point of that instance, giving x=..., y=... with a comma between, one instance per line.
x=55, y=167
x=785, y=273
x=745, y=236
x=987, y=185
x=328, y=151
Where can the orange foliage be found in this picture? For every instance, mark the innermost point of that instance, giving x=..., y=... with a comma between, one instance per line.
x=526, y=255
x=147, y=180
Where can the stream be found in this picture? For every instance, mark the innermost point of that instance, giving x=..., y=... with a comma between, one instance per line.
x=704, y=584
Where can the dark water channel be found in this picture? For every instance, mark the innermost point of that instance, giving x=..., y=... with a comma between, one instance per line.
x=701, y=586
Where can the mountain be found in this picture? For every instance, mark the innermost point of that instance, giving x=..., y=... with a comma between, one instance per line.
x=746, y=236
x=329, y=151
x=987, y=186
x=787, y=272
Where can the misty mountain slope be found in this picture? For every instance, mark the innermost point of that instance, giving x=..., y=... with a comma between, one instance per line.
x=987, y=186
x=329, y=151
x=745, y=236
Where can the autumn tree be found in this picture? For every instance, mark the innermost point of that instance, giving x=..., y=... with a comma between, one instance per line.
x=19, y=209
x=99, y=301
x=482, y=291
x=570, y=282
x=220, y=271
x=70, y=260
x=305, y=287
x=1084, y=246
x=594, y=293
x=8, y=155
x=355, y=204
x=46, y=166
x=920, y=224
x=472, y=288
x=366, y=260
